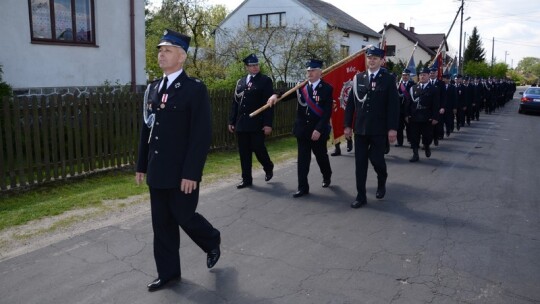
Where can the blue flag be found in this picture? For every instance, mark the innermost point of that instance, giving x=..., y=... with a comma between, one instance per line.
x=453, y=68
x=411, y=66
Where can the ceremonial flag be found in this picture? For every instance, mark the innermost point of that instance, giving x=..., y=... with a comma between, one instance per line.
x=341, y=79
x=453, y=68
x=411, y=66
x=438, y=61
x=382, y=45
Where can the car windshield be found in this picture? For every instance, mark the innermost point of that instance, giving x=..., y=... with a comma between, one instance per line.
x=535, y=91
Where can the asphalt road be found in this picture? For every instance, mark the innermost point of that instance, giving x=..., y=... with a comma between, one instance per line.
x=460, y=227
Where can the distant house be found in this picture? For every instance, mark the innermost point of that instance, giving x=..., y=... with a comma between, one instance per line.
x=71, y=45
x=263, y=14
x=400, y=43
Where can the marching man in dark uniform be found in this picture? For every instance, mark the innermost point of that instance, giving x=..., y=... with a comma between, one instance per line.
x=173, y=147
x=375, y=100
x=449, y=93
x=462, y=99
x=438, y=129
x=251, y=93
x=312, y=125
x=403, y=90
x=423, y=113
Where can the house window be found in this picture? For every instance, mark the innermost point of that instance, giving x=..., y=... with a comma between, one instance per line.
x=345, y=34
x=390, y=50
x=366, y=38
x=344, y=50
x=266, y=20
x=62, y=21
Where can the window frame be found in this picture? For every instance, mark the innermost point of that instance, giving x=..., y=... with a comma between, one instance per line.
x=344, y=50
x=390, y=51
x=264, y=20
x=54, y=40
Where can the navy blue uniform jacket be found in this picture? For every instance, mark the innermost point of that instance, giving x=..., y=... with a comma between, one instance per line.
x=181, y=136
x=248, y=98
x=379, y=112
x=425, y=105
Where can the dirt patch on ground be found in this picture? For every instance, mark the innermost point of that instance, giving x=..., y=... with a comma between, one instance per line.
x=44, y=232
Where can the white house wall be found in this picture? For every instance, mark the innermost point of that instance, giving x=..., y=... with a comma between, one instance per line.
x=28, y=65
x=404, y=47
x=295, y=14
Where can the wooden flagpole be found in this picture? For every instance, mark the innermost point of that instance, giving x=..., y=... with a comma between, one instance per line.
x=324, y=72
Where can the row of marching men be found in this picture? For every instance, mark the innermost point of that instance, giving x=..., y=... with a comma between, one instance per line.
x=433, y=107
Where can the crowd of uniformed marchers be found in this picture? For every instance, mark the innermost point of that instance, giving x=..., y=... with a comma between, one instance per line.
x=434, y=108
x=176, y=135
x=380, y=110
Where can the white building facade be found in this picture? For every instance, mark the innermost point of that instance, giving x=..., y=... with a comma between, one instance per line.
x=46, y=51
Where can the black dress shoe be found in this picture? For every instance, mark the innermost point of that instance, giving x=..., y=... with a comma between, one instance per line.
x=268, y=175
x=436, y=141
x=160, y=283
x=381, y=191
x=358, y=203
x=335, y=153
x=243, y=184
x=398, y=145
x=326, y=183
x=428, y=151
x=349, y=145
x=212, y=257
x=300, y=193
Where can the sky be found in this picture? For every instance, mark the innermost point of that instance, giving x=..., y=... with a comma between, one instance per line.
x=513, y=24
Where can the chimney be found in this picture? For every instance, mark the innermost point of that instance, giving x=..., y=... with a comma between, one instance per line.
x=411, y=29
x=402, y=25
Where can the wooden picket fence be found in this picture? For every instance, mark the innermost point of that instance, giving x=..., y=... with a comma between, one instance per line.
x=50, y=138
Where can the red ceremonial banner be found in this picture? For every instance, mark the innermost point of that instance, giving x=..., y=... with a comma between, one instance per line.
x=341, y=80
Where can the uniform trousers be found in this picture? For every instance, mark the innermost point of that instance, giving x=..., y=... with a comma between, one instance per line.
x=449, y=121
x=424, y=129
x=172, y=208
x=460, y=117
x=249, y=143
x=403, y=126
x=305, y=147
x=370, y=147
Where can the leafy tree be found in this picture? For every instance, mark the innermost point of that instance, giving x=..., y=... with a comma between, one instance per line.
x=477, y=69
x=529, y=67
x=499, y=70
x=284, y=50
x=475, y=51
x=194, y=18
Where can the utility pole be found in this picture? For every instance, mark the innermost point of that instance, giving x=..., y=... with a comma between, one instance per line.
x=505, y=53
x=460, y=61
x=493, y=52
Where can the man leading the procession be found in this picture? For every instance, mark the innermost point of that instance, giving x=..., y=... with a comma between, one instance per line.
x=374, y=100
x=312, y=125
x=173, y=147
x=252, y=91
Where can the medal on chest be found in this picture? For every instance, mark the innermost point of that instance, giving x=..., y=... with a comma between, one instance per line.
x=315, y=96
x=163, y=101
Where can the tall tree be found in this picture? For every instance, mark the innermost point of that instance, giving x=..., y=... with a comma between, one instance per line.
x=194, y=18
x=284, y=50
x=475, y=51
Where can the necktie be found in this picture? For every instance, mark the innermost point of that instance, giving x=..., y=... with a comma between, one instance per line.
x=371, y=77
x=249, y=78
x=163, y=88
x=310, y=89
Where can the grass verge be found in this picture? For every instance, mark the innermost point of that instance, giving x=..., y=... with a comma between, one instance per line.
x=91, y=192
